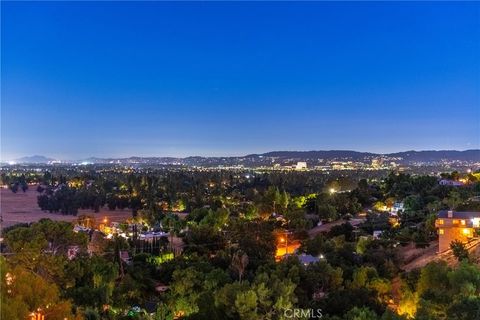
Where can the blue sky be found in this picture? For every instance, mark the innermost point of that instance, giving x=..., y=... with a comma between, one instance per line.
x=155, y=79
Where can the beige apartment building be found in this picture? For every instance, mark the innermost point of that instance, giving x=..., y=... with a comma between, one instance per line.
x=453, y=225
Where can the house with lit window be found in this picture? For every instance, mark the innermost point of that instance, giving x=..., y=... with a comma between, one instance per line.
x=451, y=183
x=397, y=206
x=453, y=225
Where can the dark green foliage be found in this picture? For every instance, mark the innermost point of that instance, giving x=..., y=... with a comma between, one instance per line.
x=344, y=229
x=227, y=268
x=459, y=250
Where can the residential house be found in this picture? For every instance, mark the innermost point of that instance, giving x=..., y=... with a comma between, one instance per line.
x=454, y=225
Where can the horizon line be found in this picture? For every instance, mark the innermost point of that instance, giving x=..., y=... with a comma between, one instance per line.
x=244, y=155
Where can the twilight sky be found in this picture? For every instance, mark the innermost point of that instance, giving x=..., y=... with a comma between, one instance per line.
x=155, y=79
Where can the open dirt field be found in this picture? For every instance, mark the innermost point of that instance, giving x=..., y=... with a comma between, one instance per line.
x=22, y=207
x=327, y=226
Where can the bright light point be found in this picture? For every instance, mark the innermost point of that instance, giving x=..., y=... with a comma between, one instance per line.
x=11, y=163
x=332, y=190
x=476, y=222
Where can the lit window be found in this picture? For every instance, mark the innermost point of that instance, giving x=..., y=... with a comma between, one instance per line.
x=441, y=221
x=466, y=231
x=441, y=231
x=462, y=222
x=476, y=222
x=455, y=221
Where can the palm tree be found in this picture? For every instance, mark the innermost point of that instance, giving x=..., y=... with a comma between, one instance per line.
x=239, y=263
x=172, y=223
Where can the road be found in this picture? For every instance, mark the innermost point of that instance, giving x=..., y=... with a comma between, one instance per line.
x=431, y=255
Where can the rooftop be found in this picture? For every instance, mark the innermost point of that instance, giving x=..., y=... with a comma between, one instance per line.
x=307, y=259
x=459, y=215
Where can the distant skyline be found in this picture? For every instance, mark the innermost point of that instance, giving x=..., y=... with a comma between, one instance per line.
x=43, y=158
x=120, y=79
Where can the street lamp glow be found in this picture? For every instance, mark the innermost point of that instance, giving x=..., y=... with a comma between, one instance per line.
x=332, y=190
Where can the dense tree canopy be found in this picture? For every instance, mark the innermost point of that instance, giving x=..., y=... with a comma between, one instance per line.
x=231, y=227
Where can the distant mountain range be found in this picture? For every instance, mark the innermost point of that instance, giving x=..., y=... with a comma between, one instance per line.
x=283, y=157
x=34, y=159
